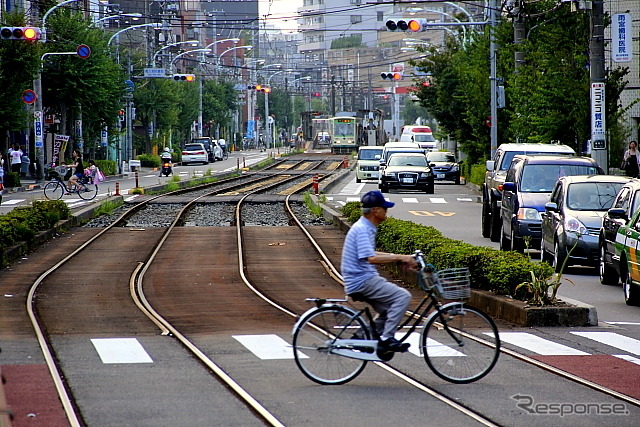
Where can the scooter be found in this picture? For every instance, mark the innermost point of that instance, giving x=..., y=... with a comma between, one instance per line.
x=166, y=167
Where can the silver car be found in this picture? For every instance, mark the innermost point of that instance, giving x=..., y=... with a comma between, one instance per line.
x=573, y=216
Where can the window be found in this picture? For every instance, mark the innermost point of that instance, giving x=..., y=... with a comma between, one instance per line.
x=380, y=16
x=356, y=19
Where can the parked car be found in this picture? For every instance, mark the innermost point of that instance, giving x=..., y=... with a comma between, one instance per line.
x=627, y=202
x=407, y=171
x=195, y=153
x=528, y=184
x=444, y=166
x=573, y=217
x=626, y=244
x=494, y=178
x=208, y=145
x=368, y=162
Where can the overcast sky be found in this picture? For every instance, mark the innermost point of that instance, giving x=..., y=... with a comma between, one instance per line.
x=279, y=10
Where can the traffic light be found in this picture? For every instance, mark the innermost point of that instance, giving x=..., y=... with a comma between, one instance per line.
x=20, y=33
x=413, y=25
x=184, y=77
x=315, y=94
x=121, y=115
x=391, y=76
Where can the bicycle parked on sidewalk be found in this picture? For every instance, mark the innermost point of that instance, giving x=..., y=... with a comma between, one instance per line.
x=56, y=188
x=333, y=342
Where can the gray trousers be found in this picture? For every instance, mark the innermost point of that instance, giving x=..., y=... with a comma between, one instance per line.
x=389, y=300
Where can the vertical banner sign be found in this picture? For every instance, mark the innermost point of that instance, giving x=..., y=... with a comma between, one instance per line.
x=59, y=145
x=79, y=133
x=37, y=126
x=104, y=137
x=598, y=141
x=621, y=45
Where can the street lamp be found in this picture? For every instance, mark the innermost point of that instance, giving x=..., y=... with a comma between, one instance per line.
x=133, y=27
x=43, y=26
x=155, y=55
x=135, y=16
x=248, y=47
x=180, y=55
x=235, y=40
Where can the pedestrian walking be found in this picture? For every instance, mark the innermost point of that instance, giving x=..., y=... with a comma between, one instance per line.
x=16, y=159
x=631, y=160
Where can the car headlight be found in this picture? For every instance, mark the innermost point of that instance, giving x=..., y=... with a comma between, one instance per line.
x=574, y=225
x=529, y=213
x=425, y=174
x=391, y=174
x=455, y=168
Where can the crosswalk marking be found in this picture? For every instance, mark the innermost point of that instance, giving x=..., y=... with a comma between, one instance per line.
x=437, y=200
x=12, y=202
x=613, y=339
x=409, y=200
x=266, y=347
x=464, y=199
x=538, y=345
x=435, y=348
x=120, y=350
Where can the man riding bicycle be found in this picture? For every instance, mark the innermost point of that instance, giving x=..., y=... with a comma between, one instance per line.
x=362, y=281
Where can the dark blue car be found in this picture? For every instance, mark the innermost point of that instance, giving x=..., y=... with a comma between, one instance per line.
x=527, y=187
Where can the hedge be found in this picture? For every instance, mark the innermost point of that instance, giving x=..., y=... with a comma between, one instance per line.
x=491, y=269
x=22, y=224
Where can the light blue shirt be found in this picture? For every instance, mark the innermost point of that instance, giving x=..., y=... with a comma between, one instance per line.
x=359, y=245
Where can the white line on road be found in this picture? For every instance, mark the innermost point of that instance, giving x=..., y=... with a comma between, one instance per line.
x=266, y=347
x=628, y=358
x=409, y=200
x=613, y=339
x=120, y=350
x=538, y=345
x=12, y=202
x=437, y=200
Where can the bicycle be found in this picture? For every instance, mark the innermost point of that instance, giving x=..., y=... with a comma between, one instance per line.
x=225, y=153
x=333, y=342
x=56, y=188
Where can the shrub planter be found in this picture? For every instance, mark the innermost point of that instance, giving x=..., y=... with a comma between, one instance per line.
x=567, y=313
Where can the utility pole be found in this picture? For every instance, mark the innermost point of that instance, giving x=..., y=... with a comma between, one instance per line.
x=597, y=77
x=519, y=32
x=493, y=77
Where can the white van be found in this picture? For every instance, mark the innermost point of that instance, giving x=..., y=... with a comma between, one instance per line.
x=421, y=137
x=399, y=144
x=368, y=162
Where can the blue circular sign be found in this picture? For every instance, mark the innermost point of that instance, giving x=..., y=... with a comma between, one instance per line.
x=130, y=85
x=29, y=96
x=83, y=51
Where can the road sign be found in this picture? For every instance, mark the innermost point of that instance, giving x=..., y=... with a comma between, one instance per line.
x=29, y=96
x=83, y=51
x=155, y=73
x=130, y=85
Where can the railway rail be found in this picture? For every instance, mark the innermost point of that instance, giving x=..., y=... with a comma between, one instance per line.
x=281, y=266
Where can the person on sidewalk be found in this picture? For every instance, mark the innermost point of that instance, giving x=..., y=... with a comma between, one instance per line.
x=16, y=159
x=361, y=278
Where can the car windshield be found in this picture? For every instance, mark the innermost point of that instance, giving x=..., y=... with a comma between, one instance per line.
x=509, y=155
x=423, y=137
x=407, y=161
x=538, y=178
x=369, y=154
x=441, y=157
x=193, y=147
x=592, y=196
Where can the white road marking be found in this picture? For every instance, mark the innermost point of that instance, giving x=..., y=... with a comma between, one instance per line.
x=409, y=200
x=120, y=350
x=538, y=345
x=12, y=202
x=624, y=323
x=464, y=199
x=352, y=199
x=266, y=347
x=434, y=348
x=132, y=197
x=437, y=200
x=628, y=358
x=613, y=339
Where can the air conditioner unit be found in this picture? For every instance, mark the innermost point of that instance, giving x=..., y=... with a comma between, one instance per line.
x=356, y=1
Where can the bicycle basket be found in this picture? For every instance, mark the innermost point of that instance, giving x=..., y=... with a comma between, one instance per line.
x=453, y=283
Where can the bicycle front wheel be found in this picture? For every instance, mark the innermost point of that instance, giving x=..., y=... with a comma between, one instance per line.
x=53, y=190
x=461, y=344
x=88, y=191
x=312, y=345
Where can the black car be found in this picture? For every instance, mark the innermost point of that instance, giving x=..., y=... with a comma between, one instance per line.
x=526, y=190
x=626, y=203
x=407, y=171
x=444, y=165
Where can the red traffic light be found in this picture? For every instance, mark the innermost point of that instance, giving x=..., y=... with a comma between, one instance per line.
x=316, y=94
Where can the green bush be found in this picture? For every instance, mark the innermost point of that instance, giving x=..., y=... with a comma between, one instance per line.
x=476, y=176
x=491, y=269
x=12, y=179
x=149, y=160
x=22, y=224
x=108, y=167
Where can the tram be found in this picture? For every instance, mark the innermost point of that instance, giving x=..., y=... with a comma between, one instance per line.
x=346, y=133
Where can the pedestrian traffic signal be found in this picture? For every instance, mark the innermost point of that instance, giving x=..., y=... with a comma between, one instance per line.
x=184, y=77
x=391, y=76
x=413, y=25
x=20, y=33
x=121, y=115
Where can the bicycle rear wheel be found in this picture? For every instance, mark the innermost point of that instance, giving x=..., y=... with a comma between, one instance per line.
x=53, y=190
x=88, y=192
x=312, y=341
x=461, y=345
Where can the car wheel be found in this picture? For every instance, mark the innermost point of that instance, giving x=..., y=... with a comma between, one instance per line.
x=608, y=274
x=496, y=224
x=430, y=188
x=631, y=291
x=558, y=258
x=384, y=189
x=358, y=180
x=486, y=220
x=516, y=243
x=505, y=243
x=457, y=180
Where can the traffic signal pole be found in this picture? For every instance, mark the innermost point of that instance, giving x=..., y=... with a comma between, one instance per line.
x=597, y=77
x=493, y=48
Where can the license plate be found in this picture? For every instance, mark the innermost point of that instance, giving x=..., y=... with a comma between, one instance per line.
x=374, y=175
x=407, y=180
x=440, y=176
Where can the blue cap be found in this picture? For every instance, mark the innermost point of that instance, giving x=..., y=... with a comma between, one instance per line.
x=375, y=199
